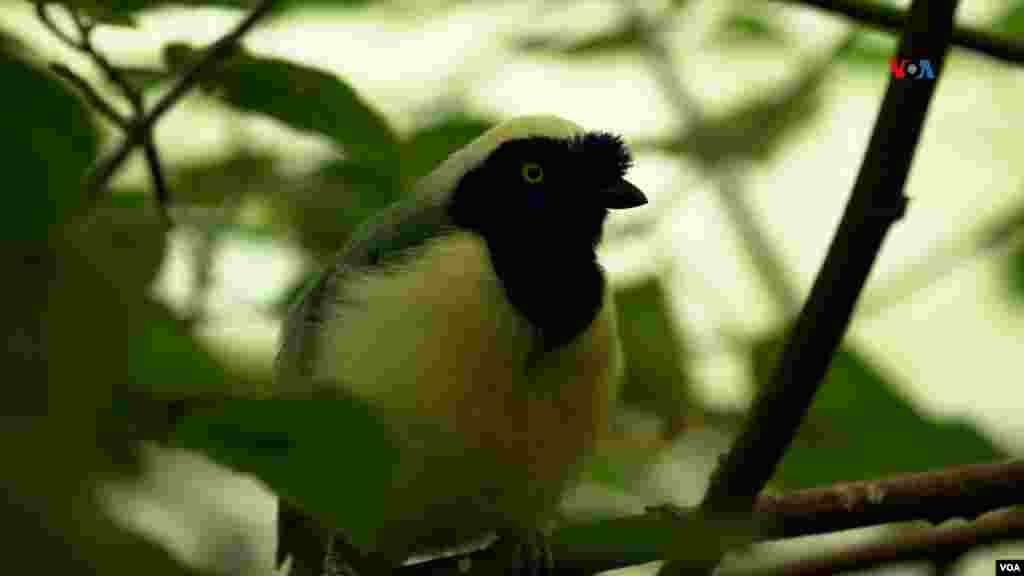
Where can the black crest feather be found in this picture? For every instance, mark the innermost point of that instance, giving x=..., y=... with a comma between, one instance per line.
x=605, y=150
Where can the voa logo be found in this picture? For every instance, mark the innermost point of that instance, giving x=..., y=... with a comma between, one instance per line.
x=1009, y=566
x=920, y=69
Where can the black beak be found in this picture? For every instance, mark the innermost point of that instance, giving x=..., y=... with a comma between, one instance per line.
x=622, y=195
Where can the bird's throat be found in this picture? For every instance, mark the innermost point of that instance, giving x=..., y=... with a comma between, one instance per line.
x=559, y=290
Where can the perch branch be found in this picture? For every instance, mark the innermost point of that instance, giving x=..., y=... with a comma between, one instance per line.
x=937, y=496
x=943, y=542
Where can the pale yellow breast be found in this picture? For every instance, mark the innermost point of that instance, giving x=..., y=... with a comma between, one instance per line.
x=441, y=341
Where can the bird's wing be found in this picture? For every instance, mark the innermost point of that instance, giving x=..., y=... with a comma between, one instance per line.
x=324, y=452
x=383, y=241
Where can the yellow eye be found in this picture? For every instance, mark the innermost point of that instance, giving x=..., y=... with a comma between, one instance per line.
x=532, y=172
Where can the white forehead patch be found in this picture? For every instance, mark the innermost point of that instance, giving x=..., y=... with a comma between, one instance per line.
x=443, y=179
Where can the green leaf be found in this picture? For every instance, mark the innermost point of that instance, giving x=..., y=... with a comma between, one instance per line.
x=335, y=202
x=302, y=97
x=859, y=427
x=1011, y=22
x=329, y=453
x=1016, y=273
x=869, y=51
x=124, y=240
x=656, y=375
x=741, y=27
x=429, y=146
x=213, y=182
x=625, y=35
x=755, y=130
x=164, y=357
x=49, y=143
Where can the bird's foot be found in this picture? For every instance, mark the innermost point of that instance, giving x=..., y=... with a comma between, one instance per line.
x=525, y=553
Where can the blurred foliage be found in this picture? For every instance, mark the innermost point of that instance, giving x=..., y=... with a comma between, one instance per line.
x=1016, y=273
x=1011, y=22
x=303, y=448
x=869, y=51
x=860, y=427
x=95, y=360
x=656, y=377
x=79, y=334
x=48, y=118
x=750, y=26
x=301, y=97
x=626, y=34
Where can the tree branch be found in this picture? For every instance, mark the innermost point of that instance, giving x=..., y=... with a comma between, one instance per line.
x=917, y=544
x=100, y=176
x=877, y=202
x=963, y=491
x=91, y=96
x=892, y=19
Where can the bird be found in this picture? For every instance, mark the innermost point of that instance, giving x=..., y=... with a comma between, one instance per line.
x=447, y=373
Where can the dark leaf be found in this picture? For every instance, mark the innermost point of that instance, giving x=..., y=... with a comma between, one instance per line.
x=860, y=427
x=305, y=449
x=124, y=240
x=656, y=376
x=757, y=129
x=331, y=205
x=742, y=27
x=869, y=51
x=625, y=35
x=1016, y=273
x=301, y=97
x=427, y=147
x=50, y=142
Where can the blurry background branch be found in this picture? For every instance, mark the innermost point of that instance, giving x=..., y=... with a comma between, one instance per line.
x=893, y=19
x=142, y=126
x=82, y=42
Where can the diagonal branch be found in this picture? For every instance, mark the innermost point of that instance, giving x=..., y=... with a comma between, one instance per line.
x=876, y=203
x=101, y=174
x=893, y=19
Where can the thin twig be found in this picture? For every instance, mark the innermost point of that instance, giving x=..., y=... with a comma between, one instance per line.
x=918, y=544
x=893, y=19
x=85, y=29
x=91, y=96
x=130, y=93
x=43, y=14
x=156, y=174
x=938, y=496
x=98, y=178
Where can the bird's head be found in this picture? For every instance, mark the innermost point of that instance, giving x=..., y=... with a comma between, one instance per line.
x=537, y=189
x=540, y=182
